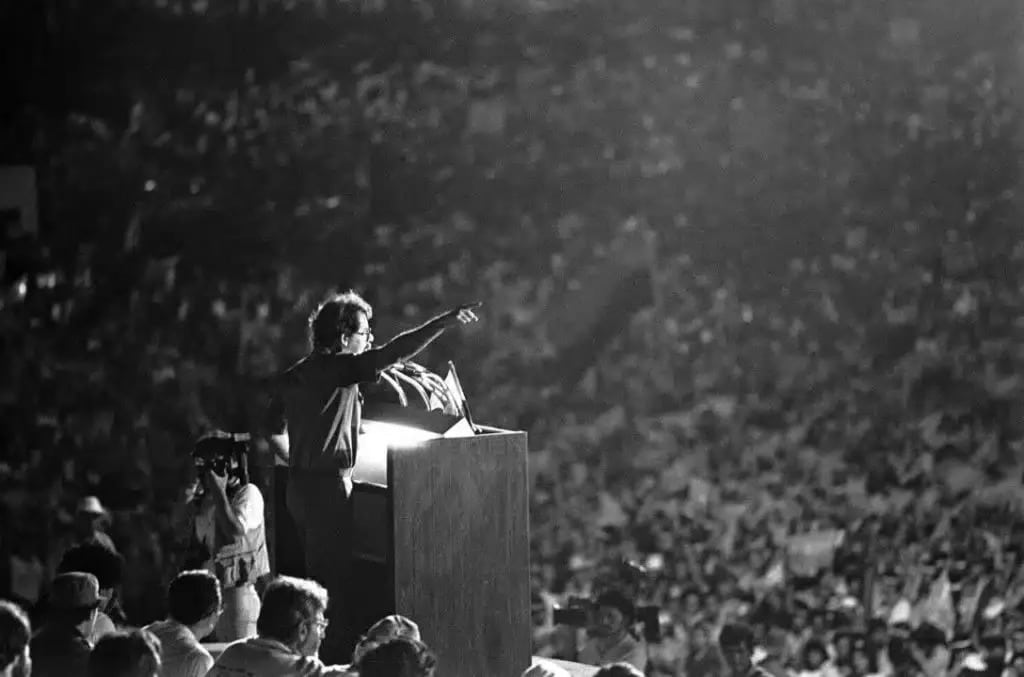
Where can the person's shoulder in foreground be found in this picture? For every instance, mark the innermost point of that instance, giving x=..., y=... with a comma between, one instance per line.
x=262, y=657
x=181, y=653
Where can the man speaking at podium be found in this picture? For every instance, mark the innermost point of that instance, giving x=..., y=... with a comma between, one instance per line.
x=315, y=417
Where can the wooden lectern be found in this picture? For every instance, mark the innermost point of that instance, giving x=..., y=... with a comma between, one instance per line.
x=442, y=536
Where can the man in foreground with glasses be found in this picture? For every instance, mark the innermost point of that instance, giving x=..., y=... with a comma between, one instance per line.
x=290, y=629
x=194, y=607
x=315, y=418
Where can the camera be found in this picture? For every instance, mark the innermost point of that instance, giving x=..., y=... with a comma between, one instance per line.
x=619, y=582
x=577, y=614
x=580, y=612
x=219, y=465
x=223, y=454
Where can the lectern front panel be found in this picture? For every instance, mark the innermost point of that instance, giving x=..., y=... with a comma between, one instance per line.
x=460, y=525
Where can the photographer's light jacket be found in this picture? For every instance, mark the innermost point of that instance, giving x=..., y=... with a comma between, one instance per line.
x=244, y=559
x=627, y=649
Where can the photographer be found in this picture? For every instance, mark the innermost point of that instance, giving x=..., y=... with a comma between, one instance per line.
x=228, y=537
x=609, y=637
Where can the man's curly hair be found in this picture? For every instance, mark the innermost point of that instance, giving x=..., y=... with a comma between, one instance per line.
x=382, y=631
x=398, y=657
x=337, y=316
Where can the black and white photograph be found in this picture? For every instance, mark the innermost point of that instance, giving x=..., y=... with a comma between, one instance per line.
x=511, y=338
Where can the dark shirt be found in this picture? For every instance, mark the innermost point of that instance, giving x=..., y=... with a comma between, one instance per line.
x=705, y=664
x=60, y=651
x=317, y=399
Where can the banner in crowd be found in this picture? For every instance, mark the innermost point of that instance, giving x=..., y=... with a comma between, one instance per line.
x=937, y=607
x=811, y=552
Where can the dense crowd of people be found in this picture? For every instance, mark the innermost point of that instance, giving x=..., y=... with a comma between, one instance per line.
x=919, y=579
x=893, y=563
x=903, y=561
x=70, y=641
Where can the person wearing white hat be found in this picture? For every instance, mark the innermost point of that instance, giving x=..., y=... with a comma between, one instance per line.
x=90, y=519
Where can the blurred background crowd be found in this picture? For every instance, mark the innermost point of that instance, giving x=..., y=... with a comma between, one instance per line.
x=751, y=275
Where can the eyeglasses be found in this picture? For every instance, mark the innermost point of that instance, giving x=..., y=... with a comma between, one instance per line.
x=322, y=624
x=367, y=333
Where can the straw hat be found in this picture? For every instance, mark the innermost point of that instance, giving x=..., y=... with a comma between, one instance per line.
x=75, y=590
x=90, y=505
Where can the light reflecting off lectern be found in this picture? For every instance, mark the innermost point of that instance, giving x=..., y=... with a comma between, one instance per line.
x=375, y=440
x=396, y=434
